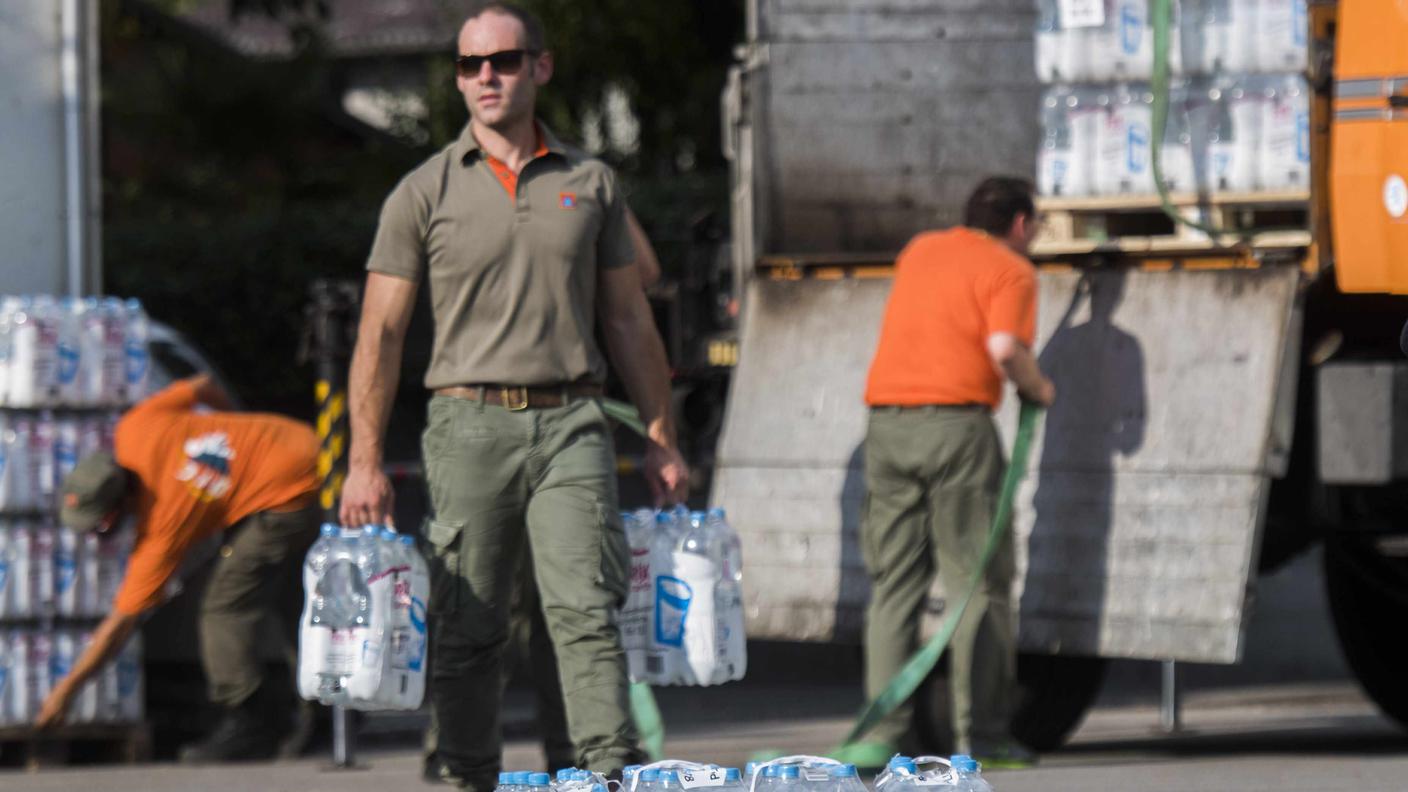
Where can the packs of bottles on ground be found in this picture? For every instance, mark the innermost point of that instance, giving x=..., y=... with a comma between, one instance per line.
x=362, y=637
x=958, y=773
x=39, y=449
x=682, y=623
x=47, y=571
x=67, y=352
x=33, y=661
x=1239, y=106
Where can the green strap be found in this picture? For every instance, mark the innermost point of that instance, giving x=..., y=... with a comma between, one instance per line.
x=918, y=667
x=644, y=710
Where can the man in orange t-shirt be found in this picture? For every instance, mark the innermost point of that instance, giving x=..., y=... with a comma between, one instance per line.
x=960, y=319
x=187, y=472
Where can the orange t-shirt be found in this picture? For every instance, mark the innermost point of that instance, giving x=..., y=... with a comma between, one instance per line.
x=952, y=290
x=201, y=472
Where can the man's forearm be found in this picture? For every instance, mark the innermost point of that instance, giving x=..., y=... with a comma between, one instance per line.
x=108, y=639
x=1021, y=368
x=371, y=385
x=639, y=358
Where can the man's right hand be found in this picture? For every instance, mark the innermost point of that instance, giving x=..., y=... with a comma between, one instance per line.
x=1045, y=394
x=367, y=497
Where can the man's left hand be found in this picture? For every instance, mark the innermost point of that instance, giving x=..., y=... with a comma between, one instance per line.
x=54, y=710
x=667, y=473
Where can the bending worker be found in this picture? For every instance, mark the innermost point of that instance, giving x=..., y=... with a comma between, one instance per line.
x=524, y=244
x=188, y=473
x=959, y=322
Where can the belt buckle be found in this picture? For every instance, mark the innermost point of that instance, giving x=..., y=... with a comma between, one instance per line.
x=514, y=404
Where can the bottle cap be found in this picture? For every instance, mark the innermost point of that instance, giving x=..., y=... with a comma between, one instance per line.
x=505, y=779
x=650, y=774
x=844, y=771
x=964, y=763
x=669, y=777
x=731, y=774
x=521, y=777
x=539, y=779
x=791, y=771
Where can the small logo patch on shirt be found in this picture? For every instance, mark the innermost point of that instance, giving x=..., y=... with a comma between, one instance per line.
x=567, y=200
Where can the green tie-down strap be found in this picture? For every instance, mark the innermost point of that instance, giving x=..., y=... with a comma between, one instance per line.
x=644, y=710
x=917, y=669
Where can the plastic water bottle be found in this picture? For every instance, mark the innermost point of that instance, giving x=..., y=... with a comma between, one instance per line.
x=969, y=773
x=17, y=695
x=68, y=353
x=1219, y=36
x=136, y=357
x=1059, y=54
x=18, y=591
x=1283, y=160
x=66, y=572
x=521, y=780
x=670, y=602
x=66, y=441
x=635, y=614
x=6, y=680
x=341, y=605
x=628, y=775
x=899, y=774
x=669, y=781
x=41, y=568
x=538, y=782
x=89, y=559
x=1283, y=30
x=6, y=562
x=114, y=313
x=648, y=780
x=505, y=783
x=41, y=460
x=845, y=779
x=1178, y=169
x=41, y=651
x=1232, y=147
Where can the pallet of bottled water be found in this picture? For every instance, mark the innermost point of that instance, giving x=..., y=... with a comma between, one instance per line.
x=69, y=352
x=1239, y=104
x=959, y=773
x=683, y=622
x=363, y=635
x=32, y=661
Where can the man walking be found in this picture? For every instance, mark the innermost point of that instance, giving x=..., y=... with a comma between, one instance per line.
x=524, y=245
x=960, y=319
x=187, y=473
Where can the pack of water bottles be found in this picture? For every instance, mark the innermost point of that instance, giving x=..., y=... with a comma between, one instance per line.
x=683, y=621
x=39, y=449
x=568, y=779
x=1239, y=109
x=67, y=352
x=48, y=571
x=1113, y=40
x=33, y=661
x=958, y=773
x=362, y=638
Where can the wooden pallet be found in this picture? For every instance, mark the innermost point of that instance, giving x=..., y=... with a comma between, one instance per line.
x=1138, y=224
x=96, y=743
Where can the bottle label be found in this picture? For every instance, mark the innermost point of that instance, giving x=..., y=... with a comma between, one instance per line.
x=694, y=779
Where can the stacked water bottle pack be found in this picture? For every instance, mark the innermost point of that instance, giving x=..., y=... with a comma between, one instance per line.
x=32, y=661
x=66, y=352
x=682, y=623
x=362, y=638
x=1239, y=106
x=958, y=773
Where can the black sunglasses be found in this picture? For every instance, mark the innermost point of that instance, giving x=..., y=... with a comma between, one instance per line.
x=502, y=62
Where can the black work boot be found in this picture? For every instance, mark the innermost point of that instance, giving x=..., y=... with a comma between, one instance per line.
x=241, y=736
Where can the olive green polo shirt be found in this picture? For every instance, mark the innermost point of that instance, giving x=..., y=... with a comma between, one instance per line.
x=512, y=278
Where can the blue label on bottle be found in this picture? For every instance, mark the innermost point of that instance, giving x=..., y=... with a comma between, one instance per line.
x=68, y=364
x=136, y=366
x=1131, y=29
x=1303, y=137
x=1138, y=149
x=672, y=598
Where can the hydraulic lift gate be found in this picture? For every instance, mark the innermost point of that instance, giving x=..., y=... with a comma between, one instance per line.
x=1138, y=527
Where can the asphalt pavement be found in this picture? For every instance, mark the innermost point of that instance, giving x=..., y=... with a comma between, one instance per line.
x=1303, y=737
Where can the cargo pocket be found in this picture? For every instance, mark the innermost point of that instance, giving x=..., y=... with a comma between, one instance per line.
x=445, y=573
x=612, y=575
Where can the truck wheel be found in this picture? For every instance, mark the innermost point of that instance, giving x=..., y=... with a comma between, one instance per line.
x=1054, y=691
x=1368, y=593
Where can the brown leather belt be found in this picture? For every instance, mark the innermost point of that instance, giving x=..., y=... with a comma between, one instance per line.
x=522, y=397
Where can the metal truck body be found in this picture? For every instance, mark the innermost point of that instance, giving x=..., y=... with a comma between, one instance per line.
x=1223, y=403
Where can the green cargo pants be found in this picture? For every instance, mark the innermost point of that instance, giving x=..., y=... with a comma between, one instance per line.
x=499, y=478
x=255, y=577
x=529, y=651
x=933, y=475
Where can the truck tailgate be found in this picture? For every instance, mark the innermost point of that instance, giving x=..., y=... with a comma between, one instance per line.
x=1138, y=526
